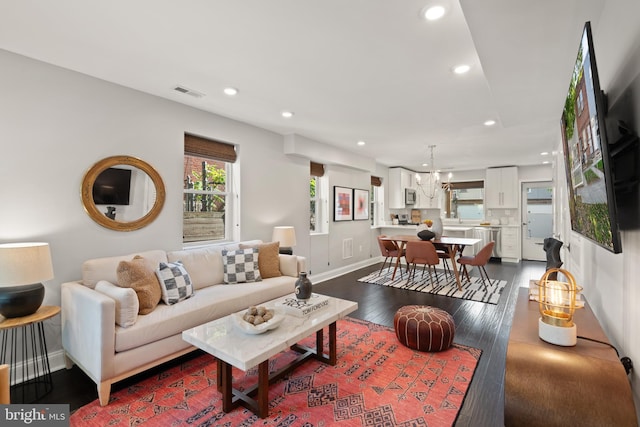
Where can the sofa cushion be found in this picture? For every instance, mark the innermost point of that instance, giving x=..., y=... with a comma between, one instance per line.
x=203, y=264
x=268, y=261
x=127, y=304
x=139, y=274
x=175, y=282
x=241, y=266
x=288, y=265
x=97, y=269
x=205, y=305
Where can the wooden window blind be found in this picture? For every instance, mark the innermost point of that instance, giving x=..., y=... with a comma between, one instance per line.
x=202, y=147
x=317, y=169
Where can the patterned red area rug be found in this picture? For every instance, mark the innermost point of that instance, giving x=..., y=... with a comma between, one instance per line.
x=376, y=382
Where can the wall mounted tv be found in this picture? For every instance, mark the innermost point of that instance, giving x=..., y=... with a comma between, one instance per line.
x=112, y=187
x=591, y=194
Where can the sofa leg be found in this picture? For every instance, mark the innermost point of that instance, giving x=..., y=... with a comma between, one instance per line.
x=68, y=363
x=104, y=390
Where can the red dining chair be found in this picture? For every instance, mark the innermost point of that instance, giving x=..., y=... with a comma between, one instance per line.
x=389, y=249
x=421, y=252
x=479, y=260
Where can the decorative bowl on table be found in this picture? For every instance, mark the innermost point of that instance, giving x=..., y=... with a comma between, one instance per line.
x=248, y=326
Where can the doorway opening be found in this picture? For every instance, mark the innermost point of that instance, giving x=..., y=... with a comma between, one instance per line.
x=537, y=218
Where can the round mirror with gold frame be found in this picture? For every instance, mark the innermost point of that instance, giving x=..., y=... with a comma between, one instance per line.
x=122, y=193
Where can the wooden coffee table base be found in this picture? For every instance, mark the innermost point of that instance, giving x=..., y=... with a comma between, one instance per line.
x=232, y=397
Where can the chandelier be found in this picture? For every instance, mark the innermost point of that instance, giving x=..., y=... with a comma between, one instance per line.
x=432, y=186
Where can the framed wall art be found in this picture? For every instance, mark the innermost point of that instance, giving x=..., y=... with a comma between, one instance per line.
x=342, y=203
x=360, y=204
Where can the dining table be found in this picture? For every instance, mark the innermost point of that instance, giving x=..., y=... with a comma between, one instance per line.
x=451, y=245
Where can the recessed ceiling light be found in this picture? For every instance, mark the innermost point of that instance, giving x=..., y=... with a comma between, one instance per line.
x=461, y=69
x=490, y=123
x=546, y=162
x=433, y=13
x=425, y=164
x=544, y=153
x=287, y=114
x=230, y=91
x=361, y=143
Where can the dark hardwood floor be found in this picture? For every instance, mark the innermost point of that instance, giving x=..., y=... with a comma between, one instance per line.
x=484, y=326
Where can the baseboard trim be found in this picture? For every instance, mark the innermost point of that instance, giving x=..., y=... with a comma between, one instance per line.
x=332, y=274
x=56, y=362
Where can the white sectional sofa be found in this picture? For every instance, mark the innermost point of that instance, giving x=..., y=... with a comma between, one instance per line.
x=108, y=353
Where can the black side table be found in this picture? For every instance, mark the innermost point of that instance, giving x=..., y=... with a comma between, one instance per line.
x=22, y=341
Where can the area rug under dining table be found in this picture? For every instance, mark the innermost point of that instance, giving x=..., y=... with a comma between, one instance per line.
x=443, y=284
x=376, y=382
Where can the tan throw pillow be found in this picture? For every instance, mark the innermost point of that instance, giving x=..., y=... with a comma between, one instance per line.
x=268, y=258
x=141, y=277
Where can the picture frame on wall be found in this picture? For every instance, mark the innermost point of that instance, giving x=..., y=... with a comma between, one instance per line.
x=360, y=204
x=342, y=203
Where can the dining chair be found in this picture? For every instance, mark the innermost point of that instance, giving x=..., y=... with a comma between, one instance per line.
x=389, y=249
x=443, y=254
x=421, y=252
x=479, y=260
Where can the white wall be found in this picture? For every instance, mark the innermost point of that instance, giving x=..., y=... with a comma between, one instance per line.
x=610, y=281
x=56, y=123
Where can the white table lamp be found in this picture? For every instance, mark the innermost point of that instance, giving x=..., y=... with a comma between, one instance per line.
x=23, y=266
x=286, y=235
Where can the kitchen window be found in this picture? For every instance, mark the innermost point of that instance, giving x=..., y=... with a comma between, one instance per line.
x=464, y=200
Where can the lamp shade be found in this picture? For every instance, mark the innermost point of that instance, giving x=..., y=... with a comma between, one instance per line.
x=25, y=263
x=286, y=235
x=22, y=267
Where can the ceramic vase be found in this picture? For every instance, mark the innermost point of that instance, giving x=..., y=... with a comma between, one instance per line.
x=436, y=227
x=303, y=286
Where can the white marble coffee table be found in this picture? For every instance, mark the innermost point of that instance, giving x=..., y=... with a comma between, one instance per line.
x=231, y=347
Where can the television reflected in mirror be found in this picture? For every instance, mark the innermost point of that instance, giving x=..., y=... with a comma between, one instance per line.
x=592, y=205
x=112, y=187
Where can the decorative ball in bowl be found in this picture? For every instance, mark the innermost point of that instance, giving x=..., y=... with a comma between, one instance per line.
x=257, y=319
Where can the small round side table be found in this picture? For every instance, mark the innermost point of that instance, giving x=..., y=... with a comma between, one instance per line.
x=22, y=341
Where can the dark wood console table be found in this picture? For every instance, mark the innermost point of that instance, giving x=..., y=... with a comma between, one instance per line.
x=548, y=385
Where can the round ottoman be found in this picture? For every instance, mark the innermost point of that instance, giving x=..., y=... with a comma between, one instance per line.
x=424, y=328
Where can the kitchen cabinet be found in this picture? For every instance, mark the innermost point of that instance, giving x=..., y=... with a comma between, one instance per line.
x=510, y=244
x=501, y=188
x=399, y=179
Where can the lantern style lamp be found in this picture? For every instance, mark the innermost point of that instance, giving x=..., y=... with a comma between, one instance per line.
x=22, y=267
x=286, y=235
x=557, y=303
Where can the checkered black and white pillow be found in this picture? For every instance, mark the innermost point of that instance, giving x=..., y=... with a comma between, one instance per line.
x=241, y=266
x=175, y=282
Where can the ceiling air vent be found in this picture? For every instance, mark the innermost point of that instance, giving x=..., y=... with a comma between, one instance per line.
x=187, y=91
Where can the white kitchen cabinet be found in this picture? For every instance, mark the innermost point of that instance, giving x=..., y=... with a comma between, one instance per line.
x=399, y=179
x=510, y=240
x=501, y=188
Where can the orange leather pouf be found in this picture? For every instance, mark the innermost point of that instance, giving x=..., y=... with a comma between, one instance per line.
x=424, y=328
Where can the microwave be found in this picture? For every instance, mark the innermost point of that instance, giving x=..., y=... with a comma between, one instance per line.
x=409, y=196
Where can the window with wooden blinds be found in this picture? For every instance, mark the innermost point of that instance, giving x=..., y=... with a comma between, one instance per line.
x=198, y=146
x=376, y=181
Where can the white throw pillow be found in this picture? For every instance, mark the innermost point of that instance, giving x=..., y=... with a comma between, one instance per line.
x=174, y=281
x=127, y=304
x=289, y=265
x=241, y=266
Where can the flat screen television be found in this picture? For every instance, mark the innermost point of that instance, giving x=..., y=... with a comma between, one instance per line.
x=112, y=187
x=592, y=205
